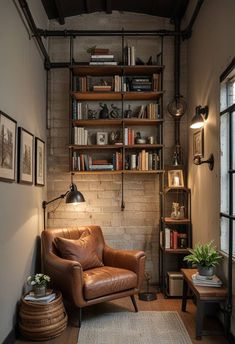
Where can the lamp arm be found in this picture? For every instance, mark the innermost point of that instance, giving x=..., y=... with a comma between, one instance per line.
x=45, y=203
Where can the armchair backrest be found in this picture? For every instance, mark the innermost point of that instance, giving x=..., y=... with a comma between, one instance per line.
x=74, y=233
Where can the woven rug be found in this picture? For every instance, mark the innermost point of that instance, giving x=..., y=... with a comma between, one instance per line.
x=134, y=328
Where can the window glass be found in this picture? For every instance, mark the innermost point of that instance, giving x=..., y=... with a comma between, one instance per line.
x=223, y=96
x=224, y=231
x=224, y=163
x=231, y=92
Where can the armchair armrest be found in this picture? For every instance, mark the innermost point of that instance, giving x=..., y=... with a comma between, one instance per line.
x=127, y=259
x=66, y=276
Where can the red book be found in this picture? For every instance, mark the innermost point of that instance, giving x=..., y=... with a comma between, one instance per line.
x=175, y=240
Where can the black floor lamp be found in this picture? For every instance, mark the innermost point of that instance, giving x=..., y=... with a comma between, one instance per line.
x=71, y=196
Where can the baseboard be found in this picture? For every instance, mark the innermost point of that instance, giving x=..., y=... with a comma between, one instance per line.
x=11, y=338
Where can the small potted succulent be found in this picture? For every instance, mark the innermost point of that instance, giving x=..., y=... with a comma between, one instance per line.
x=39, y=283
x=205, y=257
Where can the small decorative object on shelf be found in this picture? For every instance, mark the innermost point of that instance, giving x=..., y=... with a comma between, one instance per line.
x=115, y=112
x=104, y=112
x=128, y=113
x=205, y=257
x=175, y=178
x=39, y=283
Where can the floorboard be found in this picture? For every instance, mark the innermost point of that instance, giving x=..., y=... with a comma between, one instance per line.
x=70, y=335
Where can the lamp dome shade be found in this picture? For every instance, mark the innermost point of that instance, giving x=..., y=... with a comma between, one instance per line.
x=199, y=118
x=74, y=196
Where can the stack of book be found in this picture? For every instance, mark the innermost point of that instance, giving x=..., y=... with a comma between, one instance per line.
x=80, y=135
x=102, y=56
x=206, y=281
x=141, y=84
x=144, y=161
x=50, y=296
x=129, y=56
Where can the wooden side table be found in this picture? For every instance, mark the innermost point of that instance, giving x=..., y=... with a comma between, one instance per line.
x=42, y=321
x=203, y=295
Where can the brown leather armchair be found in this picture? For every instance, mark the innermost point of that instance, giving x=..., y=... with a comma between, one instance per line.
x=120, y=272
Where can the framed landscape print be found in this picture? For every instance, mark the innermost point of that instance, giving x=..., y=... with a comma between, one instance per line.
x=7, y=148
x=39, y=162
x=25, y=157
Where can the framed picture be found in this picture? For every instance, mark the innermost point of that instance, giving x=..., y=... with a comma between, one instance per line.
x=175, y=179
x=198, y=143
x=7, y=148
x=101, y=138
x=39, y=162
x=25, y=157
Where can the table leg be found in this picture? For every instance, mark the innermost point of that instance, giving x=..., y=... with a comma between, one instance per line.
x=199, y=319
x=185, y=294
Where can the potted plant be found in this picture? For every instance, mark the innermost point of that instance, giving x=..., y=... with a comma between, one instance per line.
x=205, y=257
x=39, y=283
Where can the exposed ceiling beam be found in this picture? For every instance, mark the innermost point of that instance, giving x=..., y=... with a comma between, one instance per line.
x=59, y=8
x=88, y=6
x=108, y=6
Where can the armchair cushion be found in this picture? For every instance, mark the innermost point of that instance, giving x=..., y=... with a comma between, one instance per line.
x=107, y=280
x=82, y=250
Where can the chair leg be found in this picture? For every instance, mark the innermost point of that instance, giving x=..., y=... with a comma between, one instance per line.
x=80, y=317
x=134, y=303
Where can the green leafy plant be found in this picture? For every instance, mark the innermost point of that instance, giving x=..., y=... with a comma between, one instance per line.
x=204, y=255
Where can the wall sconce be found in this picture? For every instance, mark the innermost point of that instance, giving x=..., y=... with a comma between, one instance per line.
x=71, y=196
x=198, y=161
x=199, y=117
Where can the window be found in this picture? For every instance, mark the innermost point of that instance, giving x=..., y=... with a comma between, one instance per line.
x=227, y=160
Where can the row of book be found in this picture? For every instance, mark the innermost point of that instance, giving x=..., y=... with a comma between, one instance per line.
x=117, y=83
x=172, y=239
x=85, y=162
x=80, y=136
x=144, y=161
x=150, y=111
x=129, y=56
x=79, y=110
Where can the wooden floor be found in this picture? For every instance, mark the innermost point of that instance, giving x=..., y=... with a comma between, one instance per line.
x=70, y=336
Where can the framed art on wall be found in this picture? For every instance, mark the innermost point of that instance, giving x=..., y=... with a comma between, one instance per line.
x=198, y=143
x=7, y=147
x=39, y=162
x=25, y=157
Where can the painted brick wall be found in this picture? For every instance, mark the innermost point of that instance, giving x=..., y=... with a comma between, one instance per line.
x=137, y=227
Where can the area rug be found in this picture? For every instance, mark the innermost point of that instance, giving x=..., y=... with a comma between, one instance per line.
x=134, y=328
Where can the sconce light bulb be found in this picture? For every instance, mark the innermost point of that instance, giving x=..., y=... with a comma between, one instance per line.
x=197, y=125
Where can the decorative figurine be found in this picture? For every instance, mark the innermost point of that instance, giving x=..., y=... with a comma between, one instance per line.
x=91, y=113
x=104, y=112
x=115, y=112
x=128, y=113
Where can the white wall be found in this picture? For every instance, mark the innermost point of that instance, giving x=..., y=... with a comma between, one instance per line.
x=22, y=96
x=210, y=51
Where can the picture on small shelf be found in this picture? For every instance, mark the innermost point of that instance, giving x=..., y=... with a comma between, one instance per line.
x=102, y=138
x=175, y=179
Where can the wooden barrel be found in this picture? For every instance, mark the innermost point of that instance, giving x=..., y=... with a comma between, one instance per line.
x=38, y=321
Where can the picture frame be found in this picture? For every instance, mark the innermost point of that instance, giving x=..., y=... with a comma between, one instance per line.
x=25, y=156
x=175, y=179
x=198, y=143
x=39, y=162
x=8, y=134
x=102, y=138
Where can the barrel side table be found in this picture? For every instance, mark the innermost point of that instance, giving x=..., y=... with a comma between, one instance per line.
x=42, y=321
